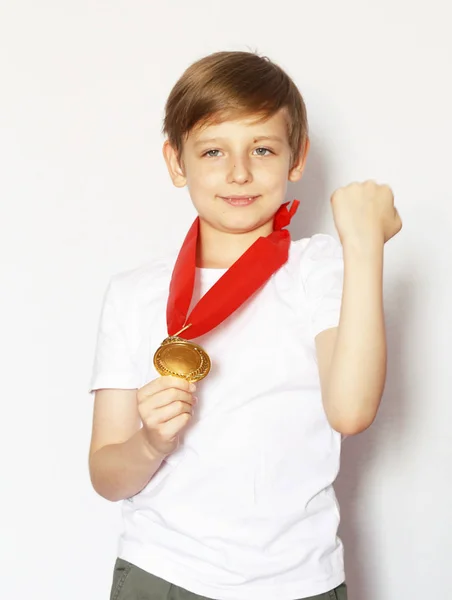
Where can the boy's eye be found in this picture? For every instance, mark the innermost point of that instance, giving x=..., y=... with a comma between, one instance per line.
x=263, y=153
x=259, y=151
x=209, y=153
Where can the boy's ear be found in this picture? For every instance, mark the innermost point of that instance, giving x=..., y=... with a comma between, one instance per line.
x=297, y=169
x=174, y=166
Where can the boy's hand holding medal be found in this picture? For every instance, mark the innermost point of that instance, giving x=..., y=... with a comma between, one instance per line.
x=165, y=406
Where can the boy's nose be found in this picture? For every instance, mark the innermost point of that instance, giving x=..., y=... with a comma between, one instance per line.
x=239, y=172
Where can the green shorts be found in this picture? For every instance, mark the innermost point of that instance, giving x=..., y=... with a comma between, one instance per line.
x=132, y=583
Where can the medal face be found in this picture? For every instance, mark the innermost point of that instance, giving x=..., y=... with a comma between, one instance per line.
x=181, y=358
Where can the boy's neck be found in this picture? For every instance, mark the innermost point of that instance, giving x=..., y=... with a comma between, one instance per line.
x=220, y=250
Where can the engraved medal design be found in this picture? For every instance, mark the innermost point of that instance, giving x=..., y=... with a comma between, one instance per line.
x=181, y=358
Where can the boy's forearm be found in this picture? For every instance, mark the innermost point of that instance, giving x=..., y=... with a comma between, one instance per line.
x=119, y=471
x=358, y=367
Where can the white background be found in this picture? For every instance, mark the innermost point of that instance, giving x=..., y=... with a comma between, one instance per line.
x=84, y=194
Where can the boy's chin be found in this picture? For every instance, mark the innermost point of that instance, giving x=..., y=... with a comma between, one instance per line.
x=242, y=223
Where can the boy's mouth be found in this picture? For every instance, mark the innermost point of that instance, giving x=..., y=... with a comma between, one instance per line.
x=239, y=200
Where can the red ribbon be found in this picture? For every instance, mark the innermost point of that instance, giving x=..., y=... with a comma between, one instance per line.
x=240, y=282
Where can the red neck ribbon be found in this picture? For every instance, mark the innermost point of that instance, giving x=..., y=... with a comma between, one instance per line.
x=241, y=280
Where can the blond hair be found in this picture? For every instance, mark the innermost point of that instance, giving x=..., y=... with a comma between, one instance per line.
x=227, y=85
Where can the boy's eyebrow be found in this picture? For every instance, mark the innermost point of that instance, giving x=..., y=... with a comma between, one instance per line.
x=260, y=138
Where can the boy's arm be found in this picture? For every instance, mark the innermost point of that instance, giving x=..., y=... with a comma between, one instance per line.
x=121, y=463
x=352, y=357
x=125, y=456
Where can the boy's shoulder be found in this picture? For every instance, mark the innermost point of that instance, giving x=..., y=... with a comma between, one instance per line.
x=153, y=274
x=320, y=246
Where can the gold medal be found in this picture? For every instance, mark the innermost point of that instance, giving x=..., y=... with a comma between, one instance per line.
x=181, y=358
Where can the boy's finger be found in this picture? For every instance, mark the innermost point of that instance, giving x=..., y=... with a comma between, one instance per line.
x=169, y=396
x=164, y=383
x=171, y=428
x=171, y=411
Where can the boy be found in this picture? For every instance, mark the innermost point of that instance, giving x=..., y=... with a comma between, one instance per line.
x=228, y=493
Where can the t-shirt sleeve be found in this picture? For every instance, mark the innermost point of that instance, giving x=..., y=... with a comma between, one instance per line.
x=114, y=366
x=322, y=279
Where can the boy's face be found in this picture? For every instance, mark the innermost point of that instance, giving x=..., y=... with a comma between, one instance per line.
x=237, y=171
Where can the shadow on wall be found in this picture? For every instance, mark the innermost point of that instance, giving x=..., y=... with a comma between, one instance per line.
x=313, y=193
x=359, y=453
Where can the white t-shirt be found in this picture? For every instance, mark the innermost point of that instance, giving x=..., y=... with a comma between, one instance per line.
x=244, y=508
